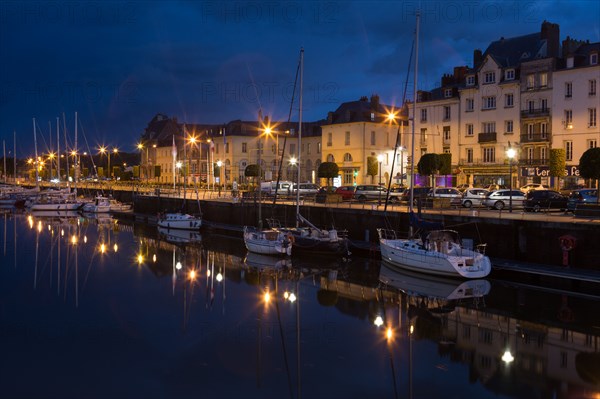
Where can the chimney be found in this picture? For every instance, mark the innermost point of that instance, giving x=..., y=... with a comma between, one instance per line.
x=375, y=102
x=551, y=33
x=477, y=58
x=459, y=74
x=447, y=80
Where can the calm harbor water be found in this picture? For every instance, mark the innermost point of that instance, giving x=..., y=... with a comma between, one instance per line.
x=97, y=308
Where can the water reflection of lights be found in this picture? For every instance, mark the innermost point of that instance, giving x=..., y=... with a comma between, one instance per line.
x=30, y=221
x=507, y=357
x=267, y=297
x=378, y=321
x=154, y=258
x=85, y=239
x=39, y=226
x=140, y=259
x=192, y=275
x=62, y=232
x=102, y=248
x=290, y=296
x=178, y=266
x=74, y=239
x=389, y=334
x=219, y=277
x=116, y=247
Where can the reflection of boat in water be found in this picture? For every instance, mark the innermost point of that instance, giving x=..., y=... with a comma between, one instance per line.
x=178, y=236
x=417, y=284
x=260, y=261
x=54, y=214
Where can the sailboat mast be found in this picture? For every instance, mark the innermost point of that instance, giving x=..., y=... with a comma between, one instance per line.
x=412, y=151
x=75, y=163
x=4, y=157
x=37, y=183
x=58, y=150
x=299, y=137
x=15, y=156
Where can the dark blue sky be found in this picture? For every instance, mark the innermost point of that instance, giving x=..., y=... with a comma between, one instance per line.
x=120, y=63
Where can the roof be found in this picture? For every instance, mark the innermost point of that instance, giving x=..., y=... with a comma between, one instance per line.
x=512, y=51
x=360, y=111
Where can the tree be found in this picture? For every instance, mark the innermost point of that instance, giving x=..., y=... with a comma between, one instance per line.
x=445, y=164
x=429, y=165
x=557, y=163
x=372, y=167
x=216, y=170
x=252, y=170
x=589, y=165
x=328, y=170
x=156, y=170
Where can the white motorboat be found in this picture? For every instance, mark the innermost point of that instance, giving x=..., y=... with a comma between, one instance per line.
x=118, y=206
x=179, y=220
x=439, y=252
x=99, y=205
x=55, y=201
x=267, y=242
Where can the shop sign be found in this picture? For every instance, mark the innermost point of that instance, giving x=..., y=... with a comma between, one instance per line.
x=544, y=171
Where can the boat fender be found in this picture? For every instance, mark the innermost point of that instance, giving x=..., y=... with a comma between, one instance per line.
x=567, y=242
x=291, y=238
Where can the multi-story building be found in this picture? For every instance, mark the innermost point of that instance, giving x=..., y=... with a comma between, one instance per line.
x=576, y=102
x=359, y=130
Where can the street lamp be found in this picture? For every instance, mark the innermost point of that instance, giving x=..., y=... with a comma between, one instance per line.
x=140, y=146
x=510, y=153
x=379, y=159
x=219, y=164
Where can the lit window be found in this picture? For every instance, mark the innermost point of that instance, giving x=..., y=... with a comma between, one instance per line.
x=470, y=104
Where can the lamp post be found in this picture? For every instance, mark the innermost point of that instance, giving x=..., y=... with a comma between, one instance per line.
x=219, y=164
x=140, y=147
x=379, y=159
x=401, y=165
x=510, y=153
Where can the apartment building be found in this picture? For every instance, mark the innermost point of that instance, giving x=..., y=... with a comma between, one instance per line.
x=359, y=130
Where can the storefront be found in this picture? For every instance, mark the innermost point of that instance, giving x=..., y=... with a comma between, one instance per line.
x=541, y=174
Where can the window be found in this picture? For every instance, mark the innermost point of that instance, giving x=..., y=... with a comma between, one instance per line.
x=568, y=118
x=318, y=148
x=347, y=157
x=424, y=115
x=448, y=93
x=489, y=102
x=469, y=129
x=509, y=100
x=446, y=112
x=372, y=116
x=543, y=154
x=329, y=139
x=509, y=74
x=544, y=79
x=592, y=117
x=423, y=135
x=489, y=155
x=226, y=148
x=488, y=127
x=530, y=81
x=486, y=336
x=469, y=155
x=544, y=130
x=373, y=141
x=348, y=176
x=594, y=59
x=347, y=138
x=466, y=331
x=508, y=126
x=531, y=105
x=568, y=89
x=544, y=104
x=273, y=149
x=470, y=104
x=592, y=85
x=592, y=144
x=530, y=130
x=470, y=80
x=308, y=148
x=564, y=357
x=569, y=150
x=489, y=77
x=530, y=153
x=244, y=147
x=446, y=133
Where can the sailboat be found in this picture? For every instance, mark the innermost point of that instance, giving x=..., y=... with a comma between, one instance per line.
x=434, y=250
x=305, y=236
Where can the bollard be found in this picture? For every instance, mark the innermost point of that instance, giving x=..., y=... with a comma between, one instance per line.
x=567, y=244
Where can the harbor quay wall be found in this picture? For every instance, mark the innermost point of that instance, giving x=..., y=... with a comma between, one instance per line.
x=522, y=240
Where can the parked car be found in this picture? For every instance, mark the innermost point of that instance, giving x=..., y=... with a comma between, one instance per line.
x=395, y=194
x=473, y=197
x=463, y=187
x=453, y=194
x=269, y=188
x=347, y=192
x=419, y=193
x=534, y=186
x=577, y=197
x=369, y=192
x=501, y=199
x=306, y=189
x=538, y=200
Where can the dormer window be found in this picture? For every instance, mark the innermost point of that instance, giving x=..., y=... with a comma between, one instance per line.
x=470, y=80
x=489, y=77
x=570, y=62
x=509, y=74
x=448, y=93
x=525, y=55
x=594, y=59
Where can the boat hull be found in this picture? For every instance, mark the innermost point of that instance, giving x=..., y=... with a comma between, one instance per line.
x=410, y=255
x=180, y=222
x=266, y=242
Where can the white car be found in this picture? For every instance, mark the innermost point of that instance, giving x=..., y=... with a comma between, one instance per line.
x=533, y=186
x=473, y=197
x=453, y=194
x=501, y=199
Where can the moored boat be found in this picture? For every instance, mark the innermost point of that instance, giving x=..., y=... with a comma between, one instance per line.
x=267, y=242
x=179, y=220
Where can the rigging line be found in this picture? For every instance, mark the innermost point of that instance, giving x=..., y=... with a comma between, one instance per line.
x=398, y=136
x=285, y=135
x=87, y=145
x=254, y=86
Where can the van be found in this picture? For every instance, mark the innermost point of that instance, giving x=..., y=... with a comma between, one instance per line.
x=269, y=188
x=306, y=189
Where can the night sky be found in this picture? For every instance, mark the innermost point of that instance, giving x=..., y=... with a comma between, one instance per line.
x=119, y=63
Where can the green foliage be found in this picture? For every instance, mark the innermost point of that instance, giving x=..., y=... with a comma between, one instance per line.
x=429, y=164
x=328, y=170
x=557, y=162
x=589, y=164
x=372, y=167
x=252, y=170
x=156, y=170
x=445, y=164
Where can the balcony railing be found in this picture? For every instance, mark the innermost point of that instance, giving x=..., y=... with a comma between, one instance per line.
x=532, y=162
x=535, y=138
x=535, y=112
x=487, y=137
